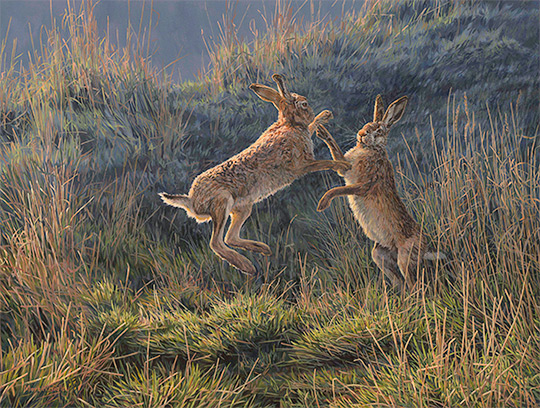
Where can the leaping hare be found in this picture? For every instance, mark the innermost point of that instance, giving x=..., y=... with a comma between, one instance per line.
x=374, y=200
x=283, y=153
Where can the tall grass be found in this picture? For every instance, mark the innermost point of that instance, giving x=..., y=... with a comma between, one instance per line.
x=421, y=48
x=465, y=341
x=108, y=299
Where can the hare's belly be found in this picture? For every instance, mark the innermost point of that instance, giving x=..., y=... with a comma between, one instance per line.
x=268, y=185
x=282, y=171
x=274, y=182
x=372, y=221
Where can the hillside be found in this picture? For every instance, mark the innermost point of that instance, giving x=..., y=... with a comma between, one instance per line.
x=109, y=298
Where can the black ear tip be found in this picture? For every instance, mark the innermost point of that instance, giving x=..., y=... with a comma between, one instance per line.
x=253, y=86
x=278, y=79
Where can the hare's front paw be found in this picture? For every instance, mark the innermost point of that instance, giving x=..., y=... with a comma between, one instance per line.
x=324, y=203
x=325, y=116
x=322, y=133
x=342, y=167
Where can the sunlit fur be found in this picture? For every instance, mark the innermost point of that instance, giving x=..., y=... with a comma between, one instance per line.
x=280, y=155
x=374, y=200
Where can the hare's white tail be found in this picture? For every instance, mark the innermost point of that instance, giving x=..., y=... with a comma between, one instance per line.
x=177, y=200
x=434, y=256
x=183, y=201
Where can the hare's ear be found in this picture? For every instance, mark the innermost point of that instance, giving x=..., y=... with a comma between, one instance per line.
x=395, y=111
x=266, y=93
x=379, y=109
x=278, y=79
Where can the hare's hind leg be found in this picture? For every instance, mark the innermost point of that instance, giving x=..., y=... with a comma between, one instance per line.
x=386, y=260
x=410, y=256
x=238, y=217
x=219, y=212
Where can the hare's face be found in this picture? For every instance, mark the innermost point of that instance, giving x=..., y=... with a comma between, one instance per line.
x=293, y=108
x=374, y=134
x=296, y=110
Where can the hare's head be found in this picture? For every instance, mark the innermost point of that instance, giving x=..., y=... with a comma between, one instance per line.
x=293, y=108
x=375, y=134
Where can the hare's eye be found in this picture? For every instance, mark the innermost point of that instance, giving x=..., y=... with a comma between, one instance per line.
x=302, y=104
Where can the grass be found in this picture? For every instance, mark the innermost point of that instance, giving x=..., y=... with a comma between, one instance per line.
x=107, y=298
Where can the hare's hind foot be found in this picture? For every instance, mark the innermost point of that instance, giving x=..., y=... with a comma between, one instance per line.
x=249, y=245
x=236, y=260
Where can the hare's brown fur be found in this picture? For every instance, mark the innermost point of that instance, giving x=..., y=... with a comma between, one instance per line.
x=283, y=153
x=374, y=200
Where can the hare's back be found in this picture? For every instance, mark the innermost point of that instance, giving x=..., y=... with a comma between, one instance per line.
x=268, y=165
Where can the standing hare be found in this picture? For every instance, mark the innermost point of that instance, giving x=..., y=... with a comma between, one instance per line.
x=283, y=153
x=374, y=200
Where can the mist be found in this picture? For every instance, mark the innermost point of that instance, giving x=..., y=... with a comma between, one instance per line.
x=180, y=31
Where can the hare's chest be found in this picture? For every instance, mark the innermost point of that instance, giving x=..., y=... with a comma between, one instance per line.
x=368, y=214
x=358, y=159
x=368, y=209
x=301, y=149
x=294, y=154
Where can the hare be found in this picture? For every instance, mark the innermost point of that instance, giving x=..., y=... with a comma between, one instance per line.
x=373, y=197
x=283, y=153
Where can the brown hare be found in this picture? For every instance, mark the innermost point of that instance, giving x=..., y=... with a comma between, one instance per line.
x=283, y=153
x=374, y=200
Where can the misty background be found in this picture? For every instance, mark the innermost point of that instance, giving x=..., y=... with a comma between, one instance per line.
x=180, y=30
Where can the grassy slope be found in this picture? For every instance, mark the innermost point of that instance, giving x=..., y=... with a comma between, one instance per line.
x=109, y=298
